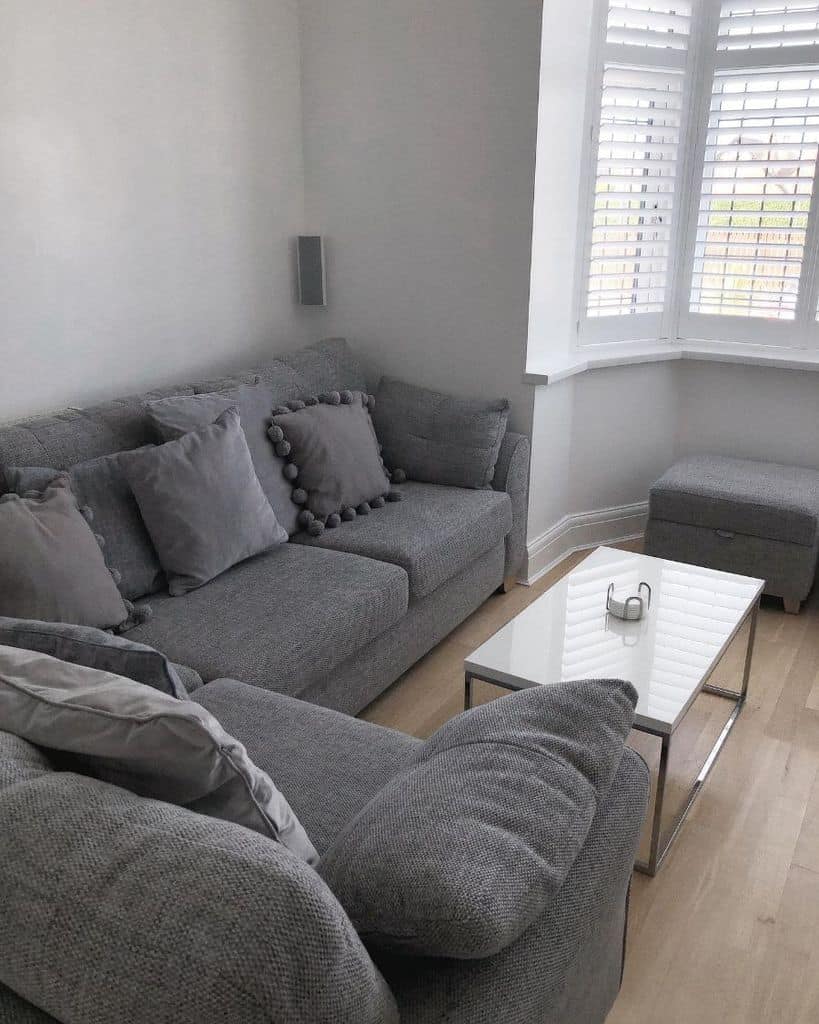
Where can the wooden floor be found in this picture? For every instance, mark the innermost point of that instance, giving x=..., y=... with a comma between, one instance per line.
x=728, y=931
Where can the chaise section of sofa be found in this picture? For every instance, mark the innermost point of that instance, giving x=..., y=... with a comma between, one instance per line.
x=334, y=619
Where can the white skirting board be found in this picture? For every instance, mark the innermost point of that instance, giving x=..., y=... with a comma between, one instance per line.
x=583, y=530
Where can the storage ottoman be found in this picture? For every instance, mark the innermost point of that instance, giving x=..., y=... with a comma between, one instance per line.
x=754, y=518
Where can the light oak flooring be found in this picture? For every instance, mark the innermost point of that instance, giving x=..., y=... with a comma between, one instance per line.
x=728, y=931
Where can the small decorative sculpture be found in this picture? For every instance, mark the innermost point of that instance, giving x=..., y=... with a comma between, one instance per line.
x=633, y=607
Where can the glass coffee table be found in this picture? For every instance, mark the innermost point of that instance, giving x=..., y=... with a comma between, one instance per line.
x=669, y=655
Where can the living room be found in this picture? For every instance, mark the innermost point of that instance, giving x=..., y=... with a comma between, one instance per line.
x=435, y=321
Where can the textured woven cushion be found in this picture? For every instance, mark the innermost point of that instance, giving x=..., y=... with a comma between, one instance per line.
x=436, y=437
x=119, y=908
x=329, y=764
x=134, y=736
x=94, y=648
x=461, y=852
x=282, y=620
x=433, y=533
x=51, y=565
x=100, y=486
x=202, y=502
x=760, y=499
x=174, y=417
x=332, y=445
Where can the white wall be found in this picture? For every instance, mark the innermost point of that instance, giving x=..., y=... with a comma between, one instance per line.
x=420, y=127
x=151, y=176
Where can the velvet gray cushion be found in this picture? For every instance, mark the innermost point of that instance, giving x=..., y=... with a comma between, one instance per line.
x=118, y=908
x=436, y=437
x=202, y=502
x=94, y=648
x=332, y=444
x=462, y=851
x=100, y=486
x=51, y=565
x=173, y=417
x=134, y=736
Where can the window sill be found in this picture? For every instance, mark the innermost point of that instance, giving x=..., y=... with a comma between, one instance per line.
x=601, y=356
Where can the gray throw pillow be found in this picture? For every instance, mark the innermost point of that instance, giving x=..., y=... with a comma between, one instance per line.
x=202, y=502
x=465, y=848
x=106, y=498
x=51, y=564
x=94, y=648
x=438, y=438
x=173, y=417
x=134, y=736
x=334, y=464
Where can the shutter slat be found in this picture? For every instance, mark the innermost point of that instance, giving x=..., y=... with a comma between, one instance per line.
x=746, y=26
x=654, y=24
x=748, y=261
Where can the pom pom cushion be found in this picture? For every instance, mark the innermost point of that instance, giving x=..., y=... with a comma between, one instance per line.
x=438, y=438
x=51, y=564
x=173, y=417
x=335, y=465
x=106, y=498
x=134, y=736
x=460, y=852
x=202, y=502
x=94, y=648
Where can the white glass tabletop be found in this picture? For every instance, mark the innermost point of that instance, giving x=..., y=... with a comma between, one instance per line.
x=668, y=655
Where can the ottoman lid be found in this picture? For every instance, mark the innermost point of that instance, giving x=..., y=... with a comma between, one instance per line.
x=761, y=499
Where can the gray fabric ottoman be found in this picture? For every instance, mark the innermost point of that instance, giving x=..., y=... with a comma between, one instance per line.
x=754, y=518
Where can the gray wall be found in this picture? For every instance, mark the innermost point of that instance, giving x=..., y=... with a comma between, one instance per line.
x=420, y=127
x=151, y=176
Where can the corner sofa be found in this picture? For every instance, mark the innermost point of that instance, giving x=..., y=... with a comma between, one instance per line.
x=335, y=619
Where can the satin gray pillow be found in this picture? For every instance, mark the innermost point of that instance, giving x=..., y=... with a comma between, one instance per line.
x=136, y=737
x=202, y=502
x=173, y=417
x=51, y=564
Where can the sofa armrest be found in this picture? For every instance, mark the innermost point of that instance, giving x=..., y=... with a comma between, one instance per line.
x=512, y=476
x=567, y=966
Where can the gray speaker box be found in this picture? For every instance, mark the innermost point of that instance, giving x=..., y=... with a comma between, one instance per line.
x=312, y=277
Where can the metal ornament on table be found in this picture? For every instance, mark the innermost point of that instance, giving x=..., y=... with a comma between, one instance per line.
x=634, y=606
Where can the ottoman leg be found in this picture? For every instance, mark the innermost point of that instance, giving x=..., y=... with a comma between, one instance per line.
x=792, y=605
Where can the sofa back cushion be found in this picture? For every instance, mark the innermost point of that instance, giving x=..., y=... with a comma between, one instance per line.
x=466, y=847
x=134, y=736
x=107, y=499
x=121, y=908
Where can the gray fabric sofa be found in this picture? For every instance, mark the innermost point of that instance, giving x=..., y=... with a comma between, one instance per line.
x=335, y=620
x=251, y=934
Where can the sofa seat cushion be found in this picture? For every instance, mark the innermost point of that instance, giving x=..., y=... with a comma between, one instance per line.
x=433, y=534
x=329, y=764
x=278, y=620
x=758, y=499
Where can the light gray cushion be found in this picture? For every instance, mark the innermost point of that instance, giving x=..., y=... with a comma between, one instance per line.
x=94, y=648
x=437, y=437
x=134, y=736
x=334, y=448
x=759, y=499
x=433, y=533
x=51, y=565
x=121, y=909
x=101, y=489
x=280, y=621
x=462, y=851
x=202, y=503
x=329, y=764
x=174, y=417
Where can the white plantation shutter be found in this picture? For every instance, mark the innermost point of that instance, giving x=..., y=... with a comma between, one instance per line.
x=758, y=180
x=637, y=140
x=744, y=25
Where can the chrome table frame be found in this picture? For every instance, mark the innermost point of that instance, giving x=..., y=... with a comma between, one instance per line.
x=659, y=848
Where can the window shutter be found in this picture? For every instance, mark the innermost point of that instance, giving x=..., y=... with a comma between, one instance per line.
x=745, y=25
x=663, y=25
x=758, y=180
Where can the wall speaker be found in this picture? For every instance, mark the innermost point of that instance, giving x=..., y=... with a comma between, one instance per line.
x=312, y=276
